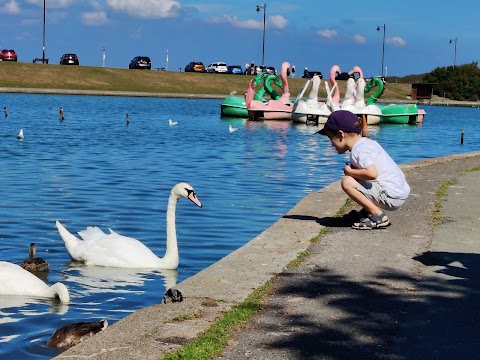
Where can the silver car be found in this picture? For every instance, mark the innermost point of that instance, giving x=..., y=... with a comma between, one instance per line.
x=217, y=67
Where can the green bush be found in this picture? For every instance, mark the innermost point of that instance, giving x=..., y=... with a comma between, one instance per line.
x=456, y=82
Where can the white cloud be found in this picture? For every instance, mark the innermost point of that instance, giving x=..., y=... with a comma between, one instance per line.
x=396, y=41
x=327, y=33
x=243, y=24
x=152, y=9
x=276, y=22
x=94, y=18
x=359, y=39
x=10, y=7
x=272, y=22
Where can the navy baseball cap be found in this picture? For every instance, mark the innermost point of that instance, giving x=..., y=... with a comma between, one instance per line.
x=342, y=120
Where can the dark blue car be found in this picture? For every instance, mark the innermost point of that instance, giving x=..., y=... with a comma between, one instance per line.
x=234, y=69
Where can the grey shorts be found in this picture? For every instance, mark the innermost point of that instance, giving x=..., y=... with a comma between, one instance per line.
x=377, y=194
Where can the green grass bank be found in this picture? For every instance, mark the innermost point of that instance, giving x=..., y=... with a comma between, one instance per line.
x=37, y=76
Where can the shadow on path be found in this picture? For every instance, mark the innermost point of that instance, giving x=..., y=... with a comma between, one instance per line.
x=391, y=316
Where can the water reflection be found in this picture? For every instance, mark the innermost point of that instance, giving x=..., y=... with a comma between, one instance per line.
x=90, y=279
x=17, y=303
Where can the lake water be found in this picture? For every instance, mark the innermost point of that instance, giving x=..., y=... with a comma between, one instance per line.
x=93, y=169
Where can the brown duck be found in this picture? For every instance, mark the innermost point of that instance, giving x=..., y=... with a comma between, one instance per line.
x=71, y=335
x=34, y=264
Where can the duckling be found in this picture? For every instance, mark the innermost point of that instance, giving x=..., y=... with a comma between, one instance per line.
x=172, y=295
x=34, y=264
x=71, y=335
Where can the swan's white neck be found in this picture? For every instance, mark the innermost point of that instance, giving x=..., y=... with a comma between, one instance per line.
x=171, y=258
x=360, y=97
x=60, y=290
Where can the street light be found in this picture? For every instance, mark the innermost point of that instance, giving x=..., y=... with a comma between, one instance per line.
x=43, y=53
x=383, y=46
x=264, y=7
x=455, y=50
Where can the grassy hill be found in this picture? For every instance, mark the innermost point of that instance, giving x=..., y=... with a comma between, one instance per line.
x=29, y=75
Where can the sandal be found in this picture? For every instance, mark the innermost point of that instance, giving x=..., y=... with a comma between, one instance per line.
x=372, y=222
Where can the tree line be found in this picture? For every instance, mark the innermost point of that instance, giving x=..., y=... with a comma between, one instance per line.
x=461, y=82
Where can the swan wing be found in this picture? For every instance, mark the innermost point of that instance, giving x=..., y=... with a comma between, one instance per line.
x=99, y=248
x=16, y=281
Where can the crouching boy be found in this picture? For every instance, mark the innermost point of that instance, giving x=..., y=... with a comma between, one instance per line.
x=372, y=178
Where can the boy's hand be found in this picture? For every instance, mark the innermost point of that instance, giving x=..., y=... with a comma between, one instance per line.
x=346, y=169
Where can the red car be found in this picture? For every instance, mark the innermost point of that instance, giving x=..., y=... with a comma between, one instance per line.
x=8, y=55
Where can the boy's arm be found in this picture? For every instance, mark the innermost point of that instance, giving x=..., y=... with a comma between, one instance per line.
x=370, y=173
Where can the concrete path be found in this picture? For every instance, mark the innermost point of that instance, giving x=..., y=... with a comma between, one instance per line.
x=406, y=292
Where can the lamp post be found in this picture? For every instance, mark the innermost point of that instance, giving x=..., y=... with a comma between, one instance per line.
x=43, y=48
x=264, y=7
x=455, y=50
x=383, y=44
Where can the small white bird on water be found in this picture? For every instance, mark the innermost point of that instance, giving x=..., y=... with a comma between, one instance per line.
x=172, y=123
x=20, y=135
x=231, y=128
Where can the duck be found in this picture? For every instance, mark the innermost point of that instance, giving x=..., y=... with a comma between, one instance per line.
x=34, y=264
x=73, y=334
x=115, y=250
x=172, y=123
x=14, y=280
x=20, y=135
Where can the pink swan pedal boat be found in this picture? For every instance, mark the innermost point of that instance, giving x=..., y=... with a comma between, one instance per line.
x=280, y=109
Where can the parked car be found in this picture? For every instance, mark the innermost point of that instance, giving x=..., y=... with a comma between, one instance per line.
x=235, y=69
x=140, y=62
x=195, y=66
x=69, y=59
x=8, y=55
x=343, y=76
x=217, y=67
x=309, y=74
x=270, y=70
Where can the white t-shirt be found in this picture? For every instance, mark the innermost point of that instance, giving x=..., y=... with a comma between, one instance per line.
x=366, y=152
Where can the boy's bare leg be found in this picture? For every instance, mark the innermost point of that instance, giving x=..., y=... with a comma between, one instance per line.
x=349, y=185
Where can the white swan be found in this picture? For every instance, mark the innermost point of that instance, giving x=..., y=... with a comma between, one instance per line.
x=16, y=281
x=20, y=135
x=172, y=123
x=98, y=248
x=231, y=128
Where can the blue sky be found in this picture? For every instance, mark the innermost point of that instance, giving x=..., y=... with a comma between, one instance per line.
x=313, y=34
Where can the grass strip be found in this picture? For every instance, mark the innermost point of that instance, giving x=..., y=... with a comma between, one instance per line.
x=436, y=217
x=213, y=341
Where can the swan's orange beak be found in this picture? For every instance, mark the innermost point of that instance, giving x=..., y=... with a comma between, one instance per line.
x=193, y=198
